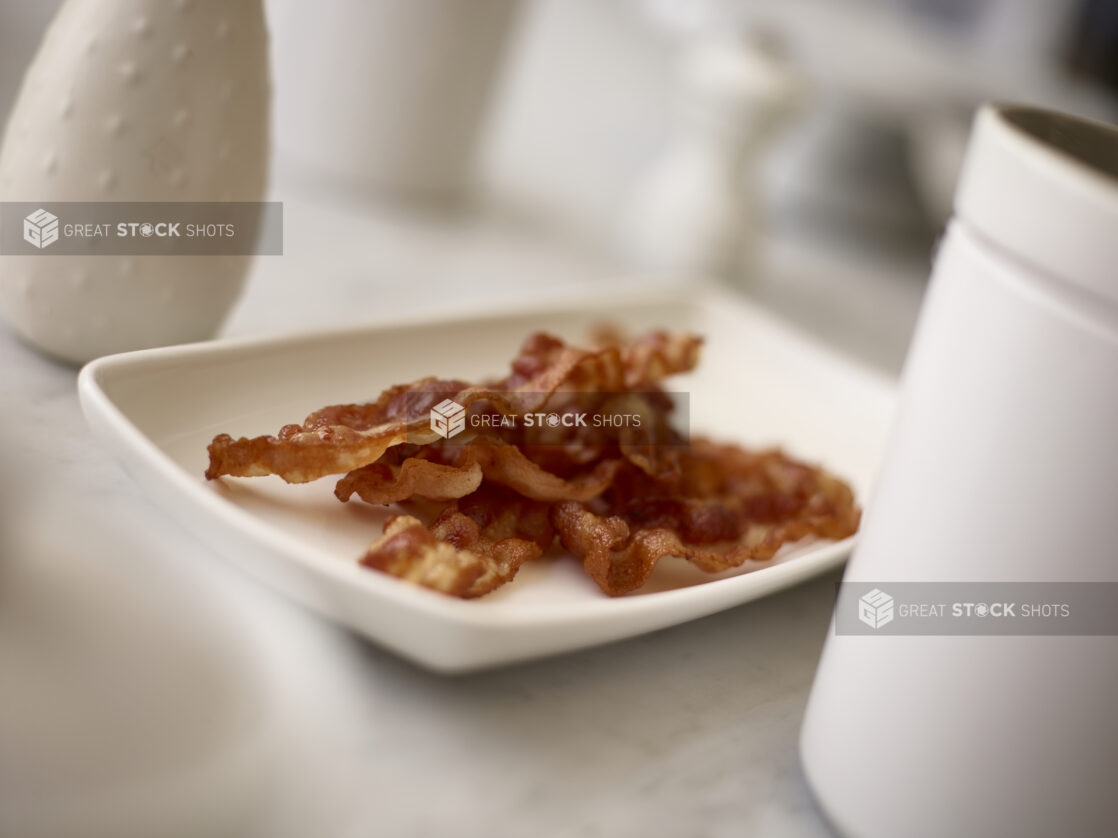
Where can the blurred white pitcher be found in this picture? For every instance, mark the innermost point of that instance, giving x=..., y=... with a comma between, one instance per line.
x=385, y=96
x=1003, y=467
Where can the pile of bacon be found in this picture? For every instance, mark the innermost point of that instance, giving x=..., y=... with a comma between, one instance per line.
x=491, y=498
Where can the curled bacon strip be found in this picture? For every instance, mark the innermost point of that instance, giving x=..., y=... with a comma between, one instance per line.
x=506, y=465
x=341, y=438
x=762, y=502
x=332, y=440
x=472, y=548
x=383, y=483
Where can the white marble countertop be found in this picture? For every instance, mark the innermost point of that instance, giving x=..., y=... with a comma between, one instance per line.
x=137, y=666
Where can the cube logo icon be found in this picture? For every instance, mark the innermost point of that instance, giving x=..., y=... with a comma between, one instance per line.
x=448, y=418
x=875, y=609
x=40, y=228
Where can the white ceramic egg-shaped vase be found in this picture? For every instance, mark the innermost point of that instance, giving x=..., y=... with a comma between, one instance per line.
x=135, y=100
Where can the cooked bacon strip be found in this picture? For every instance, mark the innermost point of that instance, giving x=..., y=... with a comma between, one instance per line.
x=341, y=438
x=334, y=439
x=383, y=483
x=731, y=506
x=409, y=551
x=508, y=466
x=468, y=464
x=658, y=355
x=620, y=559
x=472, y=548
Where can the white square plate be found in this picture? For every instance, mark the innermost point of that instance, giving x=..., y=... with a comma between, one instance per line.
x=759, y=383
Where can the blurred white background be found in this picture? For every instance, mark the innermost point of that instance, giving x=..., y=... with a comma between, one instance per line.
x=585, y=93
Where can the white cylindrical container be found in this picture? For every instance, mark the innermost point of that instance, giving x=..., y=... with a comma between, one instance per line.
x=1003, y=467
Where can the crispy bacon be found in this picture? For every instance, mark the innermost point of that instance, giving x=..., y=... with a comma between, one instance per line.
x=383, y=483
x=729, y=507
x=341, y=438
x=505, y=465
x=618, y=499
x=473, y=547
